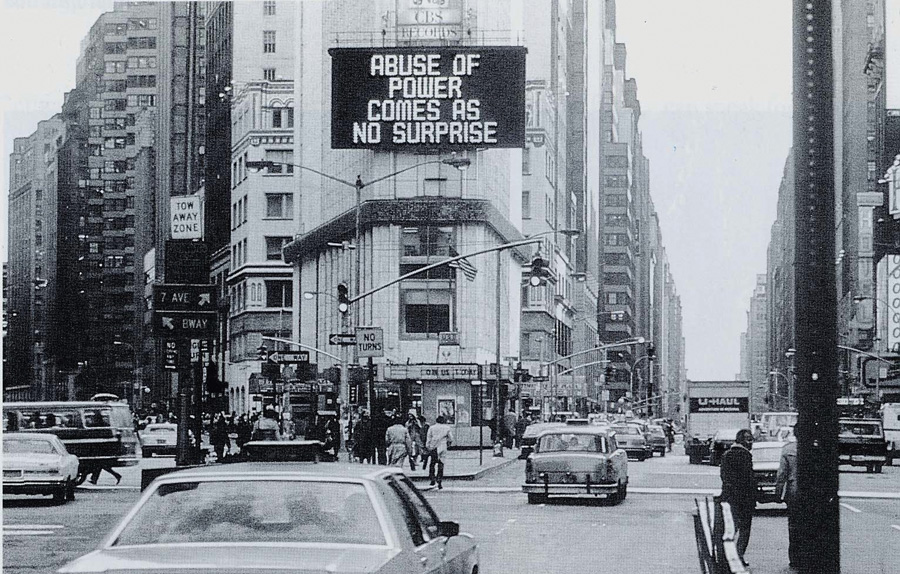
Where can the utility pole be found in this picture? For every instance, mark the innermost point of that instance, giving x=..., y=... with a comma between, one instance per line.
x=815, y=297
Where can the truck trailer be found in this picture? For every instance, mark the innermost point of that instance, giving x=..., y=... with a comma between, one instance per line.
x=713, y=406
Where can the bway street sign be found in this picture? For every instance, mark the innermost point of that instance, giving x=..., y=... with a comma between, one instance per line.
x=342, y=339
x=184, y=325
x=289, y=357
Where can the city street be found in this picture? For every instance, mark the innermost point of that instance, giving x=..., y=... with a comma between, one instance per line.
x=652, y=531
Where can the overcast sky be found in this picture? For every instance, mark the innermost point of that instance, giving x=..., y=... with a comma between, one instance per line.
x=714, y=81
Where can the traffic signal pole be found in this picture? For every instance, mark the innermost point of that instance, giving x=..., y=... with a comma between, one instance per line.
x=815, y=304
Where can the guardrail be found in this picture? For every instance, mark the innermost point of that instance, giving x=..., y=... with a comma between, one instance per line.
x=714, y=530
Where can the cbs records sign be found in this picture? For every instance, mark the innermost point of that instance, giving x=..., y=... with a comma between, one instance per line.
x=394, y=99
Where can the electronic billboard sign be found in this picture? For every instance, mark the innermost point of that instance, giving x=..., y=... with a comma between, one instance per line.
x=395, y=99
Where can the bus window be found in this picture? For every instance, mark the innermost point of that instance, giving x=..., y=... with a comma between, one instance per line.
x=97, y=418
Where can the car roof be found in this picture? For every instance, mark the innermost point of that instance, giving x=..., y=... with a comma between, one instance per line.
x=161, y=425
x=29, y=436
x=574, y=429
x=769, y=444
x=334, y=470
x=28, y=405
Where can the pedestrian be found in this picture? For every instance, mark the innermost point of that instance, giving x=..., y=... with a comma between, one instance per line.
x=439, y=439
x=670, y=434
x=244, y=431
x=218, y=436
x=739, y=486
x=786, y=489
x=423, y=429
x=380, y=424
x=95, y=474
x=288, y=429
x=363, y=449
x=417, y=438
x=398, y=445
x=509, y=427
x=521, y=425
x=266, y=427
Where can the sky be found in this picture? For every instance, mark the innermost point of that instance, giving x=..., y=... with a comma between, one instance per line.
x=714, y=81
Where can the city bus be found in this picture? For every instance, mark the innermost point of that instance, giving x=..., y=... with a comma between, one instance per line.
x=99, y=433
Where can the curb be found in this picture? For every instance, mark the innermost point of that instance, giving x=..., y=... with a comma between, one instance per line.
x=115, y=487
x=469, y=476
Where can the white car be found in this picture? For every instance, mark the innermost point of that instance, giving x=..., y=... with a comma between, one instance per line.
x=159, y=438
x=38, y=463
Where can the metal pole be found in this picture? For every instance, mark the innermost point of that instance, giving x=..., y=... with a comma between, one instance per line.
x=816, y=309
x=498, y=414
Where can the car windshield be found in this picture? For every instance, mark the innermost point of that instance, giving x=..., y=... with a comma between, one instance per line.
x=767, y=453
x=97, y=418
x=626, y=430
x=159, y=429
x=850, y=429
x=286, y=511
x=657, y=431
x=21, y=446
x=558, y=442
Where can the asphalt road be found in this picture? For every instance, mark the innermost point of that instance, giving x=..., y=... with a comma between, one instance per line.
x=652, y=531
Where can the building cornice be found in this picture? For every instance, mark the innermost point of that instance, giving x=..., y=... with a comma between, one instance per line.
x=379, y=212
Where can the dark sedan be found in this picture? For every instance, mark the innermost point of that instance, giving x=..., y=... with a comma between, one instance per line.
x=297, y=517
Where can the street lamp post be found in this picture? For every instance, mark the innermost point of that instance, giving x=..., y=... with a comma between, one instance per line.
x=634, y=370
x=776, y=373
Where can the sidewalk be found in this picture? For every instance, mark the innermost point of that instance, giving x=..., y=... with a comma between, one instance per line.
x=464, y=464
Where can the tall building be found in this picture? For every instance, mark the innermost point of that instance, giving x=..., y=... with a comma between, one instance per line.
x=780, y=288
x=757, y=353
x=33, y=235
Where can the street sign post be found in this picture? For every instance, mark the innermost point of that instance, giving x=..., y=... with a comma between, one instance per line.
x=369, y=342
x=342, y=339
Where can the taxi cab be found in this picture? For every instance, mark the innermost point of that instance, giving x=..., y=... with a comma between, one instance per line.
x=576, y=460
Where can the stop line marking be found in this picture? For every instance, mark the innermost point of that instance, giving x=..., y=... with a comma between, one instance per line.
x=851, y=508
x=30, y=529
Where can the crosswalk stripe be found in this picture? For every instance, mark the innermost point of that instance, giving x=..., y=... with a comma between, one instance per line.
x=32, y=526
x=850, y=508
x=28, y=533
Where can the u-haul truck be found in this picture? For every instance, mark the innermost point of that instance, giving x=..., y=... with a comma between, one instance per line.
x=713, y=406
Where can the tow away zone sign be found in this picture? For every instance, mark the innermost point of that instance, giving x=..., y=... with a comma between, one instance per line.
x=187, y=217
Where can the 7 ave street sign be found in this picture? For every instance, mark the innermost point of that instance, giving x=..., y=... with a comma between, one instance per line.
x=343, y=339
x=170, y=297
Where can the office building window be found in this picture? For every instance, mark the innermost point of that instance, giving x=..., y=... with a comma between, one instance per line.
x=526, y=205
x=269, y=8
x=425, y=311
x=269, y=74
x=279, y=205
x=283, y=159
x=147, y=43
x=276, y=117
x=143, y=24
x=279, y=294
x=274, y=245
x=426, y=240
x=269, y=41
x=526, y=161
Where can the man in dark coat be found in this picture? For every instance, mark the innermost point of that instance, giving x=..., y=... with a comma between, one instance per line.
x=380, y=424
x=739, y=486
x=363, y=445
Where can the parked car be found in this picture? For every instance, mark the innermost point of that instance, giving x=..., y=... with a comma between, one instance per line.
x=766, y=458
x=278, y=517
x=576, y=460
x=529, y=437
x=784, y=434
x=630, y=438
x=861, y=442
x=721, y=442
x=159, y=438
x=658, y=440
x=37, y=463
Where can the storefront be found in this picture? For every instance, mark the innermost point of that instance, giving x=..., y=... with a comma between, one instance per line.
x=456, y=392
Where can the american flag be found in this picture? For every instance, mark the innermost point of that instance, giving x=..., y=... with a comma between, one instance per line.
x=467, y=268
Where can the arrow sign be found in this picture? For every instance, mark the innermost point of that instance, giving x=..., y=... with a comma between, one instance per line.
x=167, y=323
x=188, y=297
x=343, y=339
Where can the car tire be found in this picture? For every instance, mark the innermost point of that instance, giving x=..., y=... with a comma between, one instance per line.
x=877, y=469
x=70, y=490
x=61, y=494
x=663, y=454
x=536, y=498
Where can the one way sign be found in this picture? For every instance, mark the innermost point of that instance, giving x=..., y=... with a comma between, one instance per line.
x=343, y=339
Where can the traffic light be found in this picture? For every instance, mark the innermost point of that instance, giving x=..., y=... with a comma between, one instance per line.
x=343, y=298
x=539, y=272
x=651, y=352
x=610, y=373
x=262, y=353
